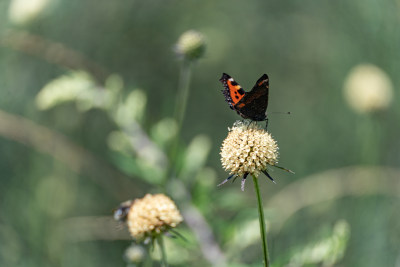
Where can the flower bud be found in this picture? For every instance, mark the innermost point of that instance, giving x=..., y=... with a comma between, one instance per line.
x=368, y=88
x=191, y=45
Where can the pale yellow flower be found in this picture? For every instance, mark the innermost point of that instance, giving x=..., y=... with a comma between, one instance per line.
x=248, y=149
x=191, y=45
x=24, y=11
x=368, y=88
x=152, y=215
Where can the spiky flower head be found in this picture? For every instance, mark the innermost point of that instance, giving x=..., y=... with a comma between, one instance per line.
x=368, y=89
x=248, y=149
x=191, y=45
x=152, y=215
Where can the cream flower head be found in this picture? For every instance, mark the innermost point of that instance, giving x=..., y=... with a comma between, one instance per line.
x=22, y=12
x=368, y=88
x=191, y=45
x=248, y=149
x=152, y=215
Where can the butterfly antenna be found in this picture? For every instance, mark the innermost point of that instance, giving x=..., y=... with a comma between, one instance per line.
x=280, y=112
x=275, y=112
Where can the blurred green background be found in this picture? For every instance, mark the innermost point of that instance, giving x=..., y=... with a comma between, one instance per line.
x=87, y=97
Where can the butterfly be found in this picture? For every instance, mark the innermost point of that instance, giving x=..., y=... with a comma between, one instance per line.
x=250, y=105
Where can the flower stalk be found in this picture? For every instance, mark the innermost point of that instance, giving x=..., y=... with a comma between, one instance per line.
x=160, y=242
x=148, y=261
x=180, y=109
x=261, y=218
x=183, y=93
x=190, y=47
x=179, y=115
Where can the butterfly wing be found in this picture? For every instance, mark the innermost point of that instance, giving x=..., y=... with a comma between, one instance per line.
x=233, y=92
x=253, y=104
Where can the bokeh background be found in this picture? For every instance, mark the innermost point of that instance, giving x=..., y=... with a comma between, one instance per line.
x=87, y=97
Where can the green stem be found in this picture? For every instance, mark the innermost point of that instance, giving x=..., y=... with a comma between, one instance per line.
x=179, y=115
x=148, y=261
x=160, y=242
x=183, y=93
x=368, y=145
x=263, y=231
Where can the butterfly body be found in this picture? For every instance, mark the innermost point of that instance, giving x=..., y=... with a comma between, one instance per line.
x=250, y=105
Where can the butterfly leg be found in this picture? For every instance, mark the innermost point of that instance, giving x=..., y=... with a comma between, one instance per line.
x=255, y=122
x=266, y=123
x=249, y=123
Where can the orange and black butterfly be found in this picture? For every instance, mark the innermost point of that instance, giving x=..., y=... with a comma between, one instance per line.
x=250, y=105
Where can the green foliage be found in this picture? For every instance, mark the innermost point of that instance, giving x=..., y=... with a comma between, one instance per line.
x=88, y=91
x=327, y=251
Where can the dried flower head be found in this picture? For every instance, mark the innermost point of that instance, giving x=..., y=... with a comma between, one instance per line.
x=152, y=215
x=191, y=45
x=248, y=149
x=368, y=88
